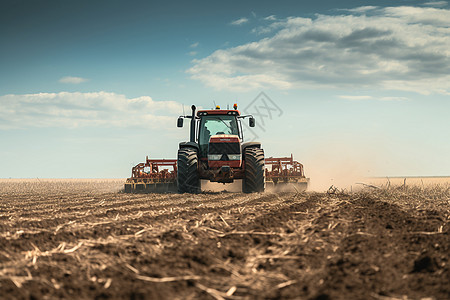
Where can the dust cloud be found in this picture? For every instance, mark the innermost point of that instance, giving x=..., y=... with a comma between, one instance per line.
x=235, y=187
x=340, y=176
x=341, y=166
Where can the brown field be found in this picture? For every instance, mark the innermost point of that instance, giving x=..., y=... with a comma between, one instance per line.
x=84, y=239
x=415, y=181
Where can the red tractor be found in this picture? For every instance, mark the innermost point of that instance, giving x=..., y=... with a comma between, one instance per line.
x=216, y=152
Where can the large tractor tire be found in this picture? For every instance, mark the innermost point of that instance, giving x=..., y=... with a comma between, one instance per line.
x=254, y=177
x=188, y=180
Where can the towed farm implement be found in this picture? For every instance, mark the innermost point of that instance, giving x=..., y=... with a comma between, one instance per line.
x=216, y=152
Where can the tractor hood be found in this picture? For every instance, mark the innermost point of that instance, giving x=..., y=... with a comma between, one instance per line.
x=224, y=138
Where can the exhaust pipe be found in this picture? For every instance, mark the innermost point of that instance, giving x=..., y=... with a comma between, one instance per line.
x=193, y=124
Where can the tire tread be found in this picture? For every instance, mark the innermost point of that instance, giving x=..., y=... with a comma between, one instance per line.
x=254, y=177
x=187, y=171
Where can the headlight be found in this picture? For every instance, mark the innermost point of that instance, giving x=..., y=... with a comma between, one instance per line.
x=214, y=156
x=234, y=156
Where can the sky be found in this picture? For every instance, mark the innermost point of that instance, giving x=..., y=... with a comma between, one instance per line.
x=350, y=88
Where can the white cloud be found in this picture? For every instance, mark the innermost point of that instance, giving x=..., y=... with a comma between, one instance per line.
x=421, y=16
x=355, y=98
x=436, y=3
x=398, y=48
x=270, y=18
x=193, y=53
x=269, y=28
x=239, y=21
x=72, y=79
x=362, y=9
x=364, y=97
x=393, y=99
x=194, y=45
x=72, y=110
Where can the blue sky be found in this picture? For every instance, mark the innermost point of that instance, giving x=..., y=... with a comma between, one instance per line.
x=89, y=88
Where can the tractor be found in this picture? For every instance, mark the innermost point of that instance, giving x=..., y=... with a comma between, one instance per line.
x=216, y=152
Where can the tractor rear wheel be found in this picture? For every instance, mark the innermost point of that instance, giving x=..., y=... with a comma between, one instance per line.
x=188, y=180
x=254, y=179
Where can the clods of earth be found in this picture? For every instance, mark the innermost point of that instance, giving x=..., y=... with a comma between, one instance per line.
x=87, y=240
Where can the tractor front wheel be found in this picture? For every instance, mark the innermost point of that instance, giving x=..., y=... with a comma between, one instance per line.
x=187, y=171
x=254, y=179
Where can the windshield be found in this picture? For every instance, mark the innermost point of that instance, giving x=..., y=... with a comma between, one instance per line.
x=212, y=125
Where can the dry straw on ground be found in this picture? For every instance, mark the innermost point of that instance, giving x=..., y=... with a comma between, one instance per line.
x=85, y=239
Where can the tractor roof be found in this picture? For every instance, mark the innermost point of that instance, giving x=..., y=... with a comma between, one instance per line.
x=234, y=112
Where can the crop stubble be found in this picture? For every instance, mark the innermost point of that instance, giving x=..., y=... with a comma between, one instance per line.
x=85, y=239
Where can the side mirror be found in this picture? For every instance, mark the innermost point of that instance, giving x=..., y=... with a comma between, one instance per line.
x=251, y=122
x=180, y=122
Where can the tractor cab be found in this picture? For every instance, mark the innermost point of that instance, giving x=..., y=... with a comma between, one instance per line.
x=216, y=126
x=215, y=129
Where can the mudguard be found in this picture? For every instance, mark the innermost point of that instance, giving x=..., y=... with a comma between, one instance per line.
x=250, y=144
x=188, y=144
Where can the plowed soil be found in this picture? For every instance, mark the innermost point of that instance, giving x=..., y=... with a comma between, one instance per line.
x=87, y=240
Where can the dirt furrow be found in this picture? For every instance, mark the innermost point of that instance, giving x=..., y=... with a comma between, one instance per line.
x=74, y=243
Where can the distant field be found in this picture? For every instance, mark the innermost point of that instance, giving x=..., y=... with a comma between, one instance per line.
x=412, y=181
x=114, y=184
x=52, y=185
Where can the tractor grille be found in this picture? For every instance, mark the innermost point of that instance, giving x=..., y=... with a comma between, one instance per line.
x=224, y=148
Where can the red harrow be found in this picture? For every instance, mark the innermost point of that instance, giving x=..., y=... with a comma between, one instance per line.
x=285, y=170
x=160, y=175
x=151, y=177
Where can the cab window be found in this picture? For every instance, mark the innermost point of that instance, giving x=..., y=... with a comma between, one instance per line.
x=218, y=124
